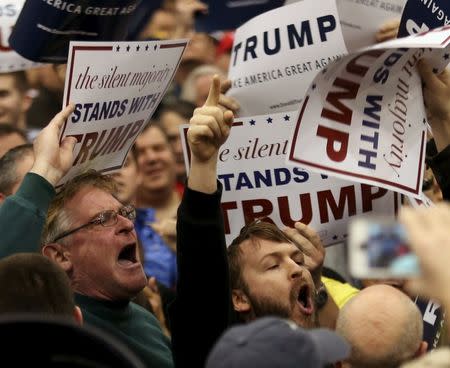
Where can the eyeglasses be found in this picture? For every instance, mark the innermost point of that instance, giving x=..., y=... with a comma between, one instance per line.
x=105, y=218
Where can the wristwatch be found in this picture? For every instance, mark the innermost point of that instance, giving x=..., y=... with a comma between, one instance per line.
x=321, y=296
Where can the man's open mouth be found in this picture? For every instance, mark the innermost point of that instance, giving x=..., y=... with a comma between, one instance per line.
x=304, y=300
x=127, y=255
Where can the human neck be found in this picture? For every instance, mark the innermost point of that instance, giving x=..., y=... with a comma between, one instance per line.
x=159, y=200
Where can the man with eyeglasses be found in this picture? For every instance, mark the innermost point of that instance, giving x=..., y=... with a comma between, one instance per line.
x=91, y=236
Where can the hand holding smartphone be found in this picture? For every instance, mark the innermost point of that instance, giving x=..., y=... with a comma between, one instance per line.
x=378, y=248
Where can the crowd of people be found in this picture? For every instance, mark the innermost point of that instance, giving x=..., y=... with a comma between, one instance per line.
x=137, y=260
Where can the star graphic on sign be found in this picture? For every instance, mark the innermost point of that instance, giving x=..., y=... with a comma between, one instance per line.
x=269, y=120
x=435, y=70
x=155, y=47
x=128, y=48
x=118, y=48
x=446, y=56
x=252, y=122
x=424, y=121
x=146, y=48
x=335, y=237
x=313, y=86
x=286, y=118
x=138, y=48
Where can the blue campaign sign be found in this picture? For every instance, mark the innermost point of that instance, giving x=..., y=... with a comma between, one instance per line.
x=44, y=28
x=433, y=320
x=230, y=14
x=141, y=16
x=422, y=15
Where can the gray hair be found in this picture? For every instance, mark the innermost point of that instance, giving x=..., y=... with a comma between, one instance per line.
x=188, y=92
x=8, y=164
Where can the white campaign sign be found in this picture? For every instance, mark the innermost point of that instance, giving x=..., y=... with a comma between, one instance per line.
x=116, y=87
x=257, y=183
x=361, y=19
x=363, y=118
x=10, y=60
x=277, y=54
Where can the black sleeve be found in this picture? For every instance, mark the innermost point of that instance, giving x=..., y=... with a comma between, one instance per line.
x=440, y=164
x=203, y=301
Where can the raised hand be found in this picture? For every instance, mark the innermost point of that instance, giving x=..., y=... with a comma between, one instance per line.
x=210, y=126
x=53, y=159
x=428, y=236
x=436, y=95
x=308, y=241
x=209, y=129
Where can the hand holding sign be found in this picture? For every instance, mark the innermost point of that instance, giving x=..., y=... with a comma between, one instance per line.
x=308, y=241
x=428, y=236
x=436, y=94
x=52, y=158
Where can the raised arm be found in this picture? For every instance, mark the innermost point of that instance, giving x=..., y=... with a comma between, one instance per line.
x=23, y=214
x=203, y=302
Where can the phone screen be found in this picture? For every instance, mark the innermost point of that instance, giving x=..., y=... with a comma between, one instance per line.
x=379, y=248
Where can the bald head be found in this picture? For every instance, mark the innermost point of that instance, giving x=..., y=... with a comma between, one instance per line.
x=383, y=326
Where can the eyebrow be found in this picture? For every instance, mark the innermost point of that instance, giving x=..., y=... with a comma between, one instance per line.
x=280, y=255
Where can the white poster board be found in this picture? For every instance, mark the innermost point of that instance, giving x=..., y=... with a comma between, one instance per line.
x=116, y=87
x=363, y=118
x=257, y=183
x=277, y=54
x=361, y=19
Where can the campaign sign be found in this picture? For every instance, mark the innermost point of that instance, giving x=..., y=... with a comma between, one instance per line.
x=277, y=54
x=115, y=87
x=363, y=118
x=422, y=15
x=433, y=321
x=230, y=14
x=257, y=183
x=45, y=27
x=361, y=19
x=10, y=61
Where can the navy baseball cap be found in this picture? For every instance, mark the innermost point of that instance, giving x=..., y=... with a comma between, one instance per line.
x=276, y=342
x=29, y=339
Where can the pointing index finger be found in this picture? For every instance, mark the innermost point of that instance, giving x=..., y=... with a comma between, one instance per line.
x=214, y=92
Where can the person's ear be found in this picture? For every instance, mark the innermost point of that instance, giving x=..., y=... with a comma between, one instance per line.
x=422, y=349
x=240, y=301
x=2, y=197
x=59, y=254
x=78, y=315
x=26, y=102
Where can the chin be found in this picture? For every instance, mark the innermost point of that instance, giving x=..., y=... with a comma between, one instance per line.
x=136, y=287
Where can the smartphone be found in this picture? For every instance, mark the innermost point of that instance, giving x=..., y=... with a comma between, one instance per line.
x=378, y=248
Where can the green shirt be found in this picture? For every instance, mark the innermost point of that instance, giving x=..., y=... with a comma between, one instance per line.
x=133, y=325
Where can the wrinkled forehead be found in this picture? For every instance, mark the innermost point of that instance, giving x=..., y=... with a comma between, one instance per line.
x=255, y=249
x=90, y=201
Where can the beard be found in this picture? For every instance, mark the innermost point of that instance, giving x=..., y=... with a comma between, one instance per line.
x=262, y=307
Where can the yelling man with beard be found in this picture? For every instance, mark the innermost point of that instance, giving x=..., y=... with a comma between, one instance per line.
x=265, y=270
